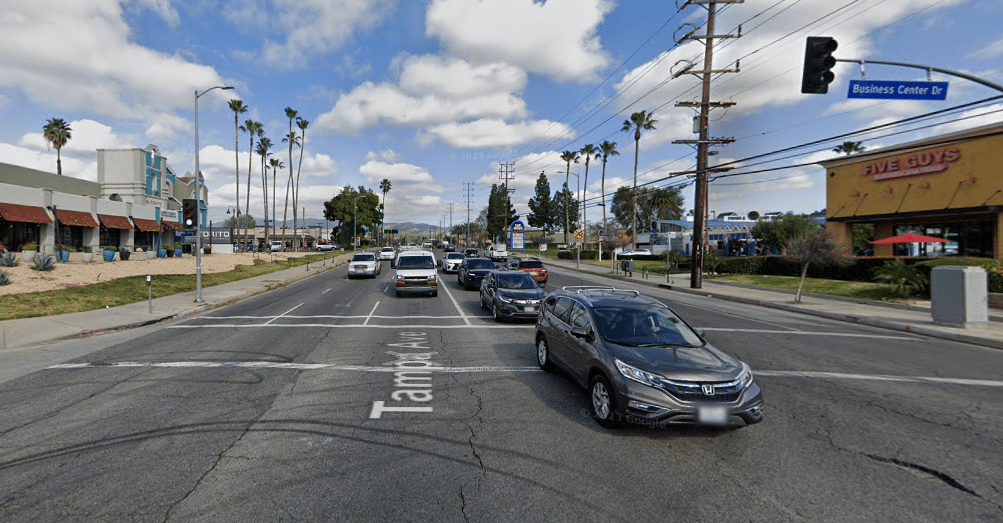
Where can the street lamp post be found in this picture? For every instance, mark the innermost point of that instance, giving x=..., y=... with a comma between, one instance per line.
x=355, y=225
x=198, y=197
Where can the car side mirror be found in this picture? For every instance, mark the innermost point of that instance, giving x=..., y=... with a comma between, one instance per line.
x=582, y=332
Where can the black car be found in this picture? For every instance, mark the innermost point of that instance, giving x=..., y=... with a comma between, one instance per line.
x=641, y=362
x=472, y=271
x=511, y=295
x=471, y=253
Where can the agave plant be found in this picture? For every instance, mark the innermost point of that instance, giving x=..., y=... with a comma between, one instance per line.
x=4, y=278
x=8, y=259
x=44, y=263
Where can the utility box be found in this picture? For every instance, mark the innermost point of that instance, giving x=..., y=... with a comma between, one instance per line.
x=959, y=295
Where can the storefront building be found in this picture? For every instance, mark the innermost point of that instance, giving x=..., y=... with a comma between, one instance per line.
x=132, y=205
x=949, y=187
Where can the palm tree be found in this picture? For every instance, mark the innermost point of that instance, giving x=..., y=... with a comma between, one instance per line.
x=567, y=156
x=276, y=164
x=385, y=187
x=264, y=144
x=238, y=107
x=849, y=148
x=56, y=132
x=292, y=139
x=607, y=149
x=302, y=124
x=250, y=127
x=588, y=152
x=636, y=122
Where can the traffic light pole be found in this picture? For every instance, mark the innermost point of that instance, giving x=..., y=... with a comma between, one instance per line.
x=959, y=74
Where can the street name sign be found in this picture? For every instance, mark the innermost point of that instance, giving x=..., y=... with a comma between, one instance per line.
x=897, y=90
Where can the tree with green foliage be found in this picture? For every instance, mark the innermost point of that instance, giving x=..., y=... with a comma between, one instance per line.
x=498, y=215
x=863, y=235
x=849, y=148
x=57, y=133
x=664, y=203
x=814, y=246
x=566, y=204
x=542, y=208
x=904, y=279
x=568, y=156
x=641, y=120
x=350, y=220
x=776, y=232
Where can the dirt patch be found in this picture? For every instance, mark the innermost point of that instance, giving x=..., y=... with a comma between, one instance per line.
x=76, y=273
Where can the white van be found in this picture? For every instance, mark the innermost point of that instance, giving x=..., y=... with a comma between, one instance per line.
x=416, y=273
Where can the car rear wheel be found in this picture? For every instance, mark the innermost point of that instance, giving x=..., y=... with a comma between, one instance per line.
x=543, y=354
x=494, y=312
x=603, y=401
x=483, y=305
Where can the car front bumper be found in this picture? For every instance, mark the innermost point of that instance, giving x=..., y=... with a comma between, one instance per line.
x=638, y=403
x=515, y=309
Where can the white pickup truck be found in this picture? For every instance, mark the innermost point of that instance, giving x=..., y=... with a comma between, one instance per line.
x=497, y=252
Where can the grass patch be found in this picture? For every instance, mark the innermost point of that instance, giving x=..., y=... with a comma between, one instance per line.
x=848, y=289
x=133, y=289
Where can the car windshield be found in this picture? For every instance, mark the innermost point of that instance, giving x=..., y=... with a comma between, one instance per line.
x=364, y=257
x=480, y=263
x=516, y=281
x=645, y=327
x=416, y=262
x=388, y=249
x=454, y=256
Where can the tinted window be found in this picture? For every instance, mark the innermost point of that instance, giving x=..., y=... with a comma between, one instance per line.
x=364, y=257
x=644, y=327
x=454, y=255
x=562, y=309
x=530, y=265
x=480, y=263
x=579, y=316
x=516, y=281
x=415, y=262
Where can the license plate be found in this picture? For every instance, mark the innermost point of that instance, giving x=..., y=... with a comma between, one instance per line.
x=529, y=308
x=712, y=415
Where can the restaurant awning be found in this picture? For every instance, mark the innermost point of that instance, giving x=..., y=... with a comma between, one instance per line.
x=146, y=225
x=82, y=219
x=13, y=212
x=171, y=225
x=115, y=222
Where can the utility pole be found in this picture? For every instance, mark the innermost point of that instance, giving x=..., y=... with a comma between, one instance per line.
x=470, y=190
x=506, y=169
x=704, y=140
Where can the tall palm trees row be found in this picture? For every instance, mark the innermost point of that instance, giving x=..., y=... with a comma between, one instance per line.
x=641, y=120
x=263, y=150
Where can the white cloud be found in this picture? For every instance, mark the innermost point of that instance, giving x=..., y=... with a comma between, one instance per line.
x=493, y=132
x=403, y=173
x=163, y=9
x=82, y=56
x=315, y=27
x=388, y=156
x=372, y=104
x=455, y=78
x=556, y=38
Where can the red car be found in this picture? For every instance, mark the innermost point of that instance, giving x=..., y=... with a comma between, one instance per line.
x=535, y=269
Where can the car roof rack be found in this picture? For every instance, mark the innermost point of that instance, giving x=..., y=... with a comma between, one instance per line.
x=597, y=289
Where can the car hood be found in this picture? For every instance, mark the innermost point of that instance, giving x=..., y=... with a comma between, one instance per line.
x=522, y=294
x=681, y=362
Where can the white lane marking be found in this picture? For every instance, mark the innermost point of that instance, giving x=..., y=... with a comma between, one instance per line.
x=283, y=314
x=325, y=292
x=489, y=368
x=281, y=366
x=843, y=334
x=456, y=305
x=876, y=377
x=333, y=326
x=319, y=316
x=371, y=313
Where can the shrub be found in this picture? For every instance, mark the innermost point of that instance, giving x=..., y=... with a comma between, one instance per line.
x=85, y=248
x=30, y=246
x=8, y=259
x=44, y=263
x=905, y=280
x=4, y=278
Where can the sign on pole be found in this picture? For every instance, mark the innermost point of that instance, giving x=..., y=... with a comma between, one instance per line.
x=897, y=90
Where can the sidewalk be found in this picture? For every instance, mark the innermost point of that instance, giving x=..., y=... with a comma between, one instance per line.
x=915, y=319
x=31, y=332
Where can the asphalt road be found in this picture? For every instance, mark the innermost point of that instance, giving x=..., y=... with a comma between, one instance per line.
x=286, y=407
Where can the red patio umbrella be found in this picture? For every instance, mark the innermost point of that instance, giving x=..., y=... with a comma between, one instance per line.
x=911, y=238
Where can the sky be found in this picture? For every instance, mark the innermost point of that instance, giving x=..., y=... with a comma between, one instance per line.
x=435, y=95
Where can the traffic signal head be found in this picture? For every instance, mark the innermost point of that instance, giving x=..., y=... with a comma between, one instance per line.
x=818, y=62
x=188, y=213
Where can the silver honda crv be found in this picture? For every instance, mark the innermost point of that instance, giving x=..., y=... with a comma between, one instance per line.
x=641, y=363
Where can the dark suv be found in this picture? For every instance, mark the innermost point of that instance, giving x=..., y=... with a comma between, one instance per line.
x=472, y=271
x=641, y=363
